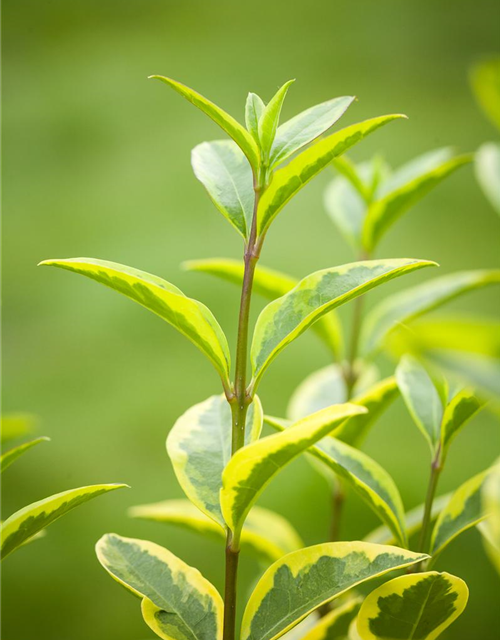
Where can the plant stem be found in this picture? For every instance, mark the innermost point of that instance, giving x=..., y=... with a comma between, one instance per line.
x=436, y=468
x=232, y=557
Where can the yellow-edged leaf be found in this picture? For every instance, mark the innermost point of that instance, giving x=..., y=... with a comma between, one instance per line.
x=7, y=458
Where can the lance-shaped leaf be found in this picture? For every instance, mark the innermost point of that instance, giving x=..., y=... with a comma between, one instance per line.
x=303, y=580
x=7, y=458
x=224, y=171
x=490, y=528
x=406, y=187
x=270, y=284
x=252, y=467
x=254, y=108
x=199, y=446
x=421, y=398
x=335, y=624
x=265, y=533
x=226, y=122
x=268, y=122
x=365, y=476
x=190, y=317
x=463, y=511
x=16, y=425
x=458, y=411
x=413, y=302
x=485, y=80
x=487, y=168
x=27, y=522
x=286, y=318
x=306, y=127
x=419, y=605
x=290, y=179
x=187, y=605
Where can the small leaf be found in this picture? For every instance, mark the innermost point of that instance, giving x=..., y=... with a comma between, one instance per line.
x=226, y=175
x=306, y=127
x=335, y=624
x=16, y=425
x=254, y=109
x=190, y=317
x=458, y=411
x=265, y=533
x=485, y=80
x=419, y=605
x=252, y=467
x=303, y=580
x=463, y=511
x=413, y=302
x=421, y=398
x=286, y=318
x=7, y=458
x=406, y=187
x=27, y=522
x=360, y=472
x=199, y=446
x=186, y=604
x=268, y=122
x=270, y=284
x=290, y=179
x=487, y=168
x=226, y=122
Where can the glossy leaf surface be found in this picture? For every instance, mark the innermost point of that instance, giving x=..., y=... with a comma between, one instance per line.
x=7, y=458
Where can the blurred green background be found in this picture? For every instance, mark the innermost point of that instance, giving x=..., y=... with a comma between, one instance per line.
x=96, y=163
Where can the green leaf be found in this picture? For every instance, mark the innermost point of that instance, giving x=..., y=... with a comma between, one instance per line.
x=421, y=398
x=419, y=605
x=254, y=109
x=406, y=187
x=346, y=207
x=335, y=624
x=199, y=446
x=270, y=284
x=303, y=580
x=268, y=122
x=290, y=179
x=190, y=317
x=252, y=467
x=16, y=425
x=365, y=476
x=224, y=171
x=487, y=168
x=286, y=318
x=461, y=408
x=413, y=302
x=226, y=122
x=186, y=605
x=7, y=458
x=306, y=127
x=490, y=528
x=265, y=533
x=463, y=511
x=485, y=80
x=27, y=522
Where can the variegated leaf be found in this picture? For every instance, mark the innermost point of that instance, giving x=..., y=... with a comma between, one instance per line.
x=303, y=580
x=419, y=605
x=186, y=605
x=335, y=624
x=27, y=522
x=461, y=408
x=199, y=446
x=286, y=318
x=190, y=317
x=490, y=528
x=7, y=458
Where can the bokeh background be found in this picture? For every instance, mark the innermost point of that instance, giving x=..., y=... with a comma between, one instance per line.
x=97, y=163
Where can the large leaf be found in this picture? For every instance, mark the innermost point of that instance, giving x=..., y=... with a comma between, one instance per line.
x=419, y=605
x=186, y=605
x=190, y=317
x=485, y=79
x=254, y=109
x=461, y=408
x=335, y=624
x=415, y=301
x=406, y=187
x=290, y=179
x=463, y=511
x=265, y=533
x=199, y=446
x=488, y=172
x=303, y=580
x=286, y=318
x=306, y=127
x=268, y=121
x=421, y=398
x=27, y=522
x=16, y=425
x=226, y=122
x=7, y=458
x=365, y=476
x=224, y=171
x=252, y=467
x=270, y=284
